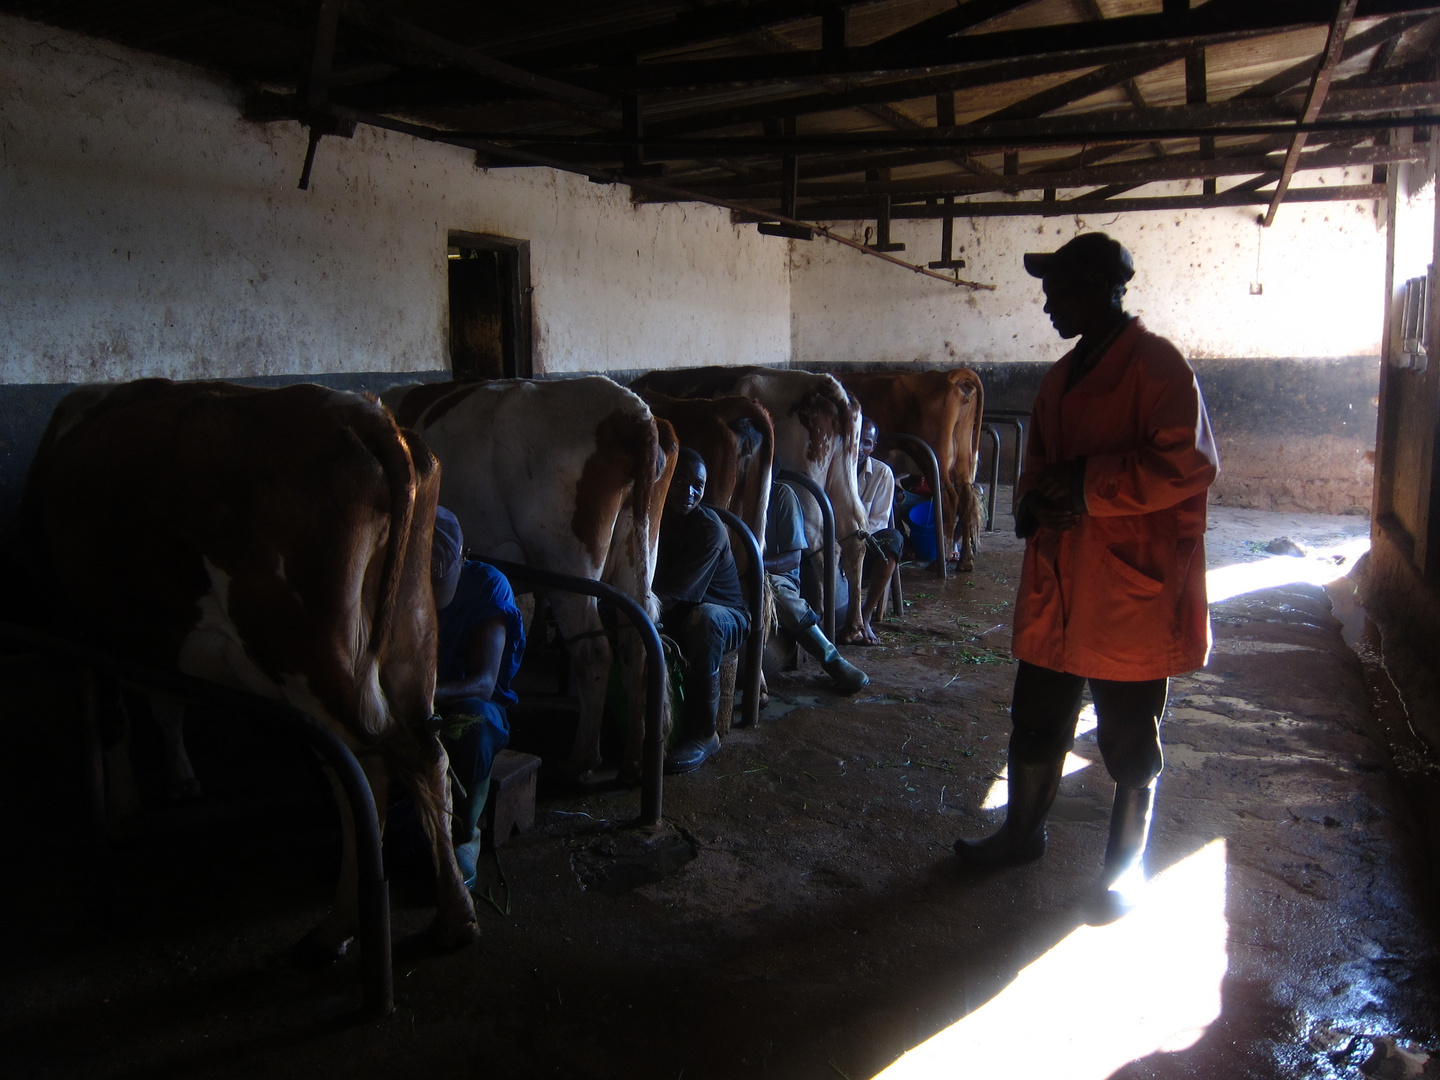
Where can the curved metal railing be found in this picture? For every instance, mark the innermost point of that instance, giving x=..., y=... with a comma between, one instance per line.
x=373, y=892
x=931, y=464
x=755, y=641
x=652, y=759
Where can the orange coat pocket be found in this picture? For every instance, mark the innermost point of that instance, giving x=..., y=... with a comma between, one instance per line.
x=1136, y=582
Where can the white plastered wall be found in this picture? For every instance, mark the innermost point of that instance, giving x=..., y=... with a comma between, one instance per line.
x=1321, y=267
x=146, y=229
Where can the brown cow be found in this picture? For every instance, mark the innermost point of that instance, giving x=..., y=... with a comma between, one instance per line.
x=569, y=476
x=817, y=433
x=275, y=540
x=737, y=440
x=945, y=408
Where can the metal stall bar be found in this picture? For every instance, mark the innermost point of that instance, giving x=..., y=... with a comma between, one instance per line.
x=755, y=641
x=827, y=543
x=653, y=752
x=928, y=461
x=989, y=429
x=373, y=891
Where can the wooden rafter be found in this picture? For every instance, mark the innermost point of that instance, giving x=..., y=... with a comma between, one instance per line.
x=1319, y=87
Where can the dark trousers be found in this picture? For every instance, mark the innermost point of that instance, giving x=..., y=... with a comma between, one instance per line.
x=706, y=633
x=1046, y=705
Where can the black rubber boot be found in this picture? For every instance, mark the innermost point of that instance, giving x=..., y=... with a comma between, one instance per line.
x=1123, y=880
x=1022, y=838
x=847, y=676
x=702, y=705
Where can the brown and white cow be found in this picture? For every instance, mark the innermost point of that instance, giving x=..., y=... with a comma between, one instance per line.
x=569, y=476
x=817, y=433
x=945, y=408
x=274, y=540
x=737, y=440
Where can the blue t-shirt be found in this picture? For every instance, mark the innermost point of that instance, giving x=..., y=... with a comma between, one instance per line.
x=483, y=593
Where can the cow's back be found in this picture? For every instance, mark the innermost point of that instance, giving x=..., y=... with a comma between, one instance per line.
x=543, y=471
x=259, y=537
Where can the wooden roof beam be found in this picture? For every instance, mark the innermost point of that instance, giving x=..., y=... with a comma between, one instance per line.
x=1319, y=87
x=1085, y=44
x=387, y=27
x=1068, y=207
x=1175, y=167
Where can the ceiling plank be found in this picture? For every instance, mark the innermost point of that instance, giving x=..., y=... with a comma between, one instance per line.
x=1319, y=87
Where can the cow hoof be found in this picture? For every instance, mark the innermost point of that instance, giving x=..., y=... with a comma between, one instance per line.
x=452, y=937
x=632, y=773
x=314, y=951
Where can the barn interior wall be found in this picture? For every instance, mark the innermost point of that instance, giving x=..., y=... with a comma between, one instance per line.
x=1282, y=324
x=150, y=230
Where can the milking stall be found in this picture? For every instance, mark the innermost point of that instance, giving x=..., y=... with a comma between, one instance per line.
x=688, y=539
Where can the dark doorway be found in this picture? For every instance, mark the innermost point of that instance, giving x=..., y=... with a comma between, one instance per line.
x=489, y=307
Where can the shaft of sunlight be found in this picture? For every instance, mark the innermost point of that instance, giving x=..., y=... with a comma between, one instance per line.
x=999, y=792
x=1102, y=997
x=1320, y=567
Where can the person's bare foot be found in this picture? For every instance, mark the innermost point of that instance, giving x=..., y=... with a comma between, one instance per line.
x=851, y=637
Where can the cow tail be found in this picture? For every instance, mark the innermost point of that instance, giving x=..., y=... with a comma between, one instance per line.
x=979, y=423
x=383, y=439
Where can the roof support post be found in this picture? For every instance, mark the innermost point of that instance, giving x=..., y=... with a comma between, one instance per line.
x=1197, y=93
x=947, y=239
x=1319, y=87
x=882, y=219
x=789, y=187
x=832, y=29
x=317, y=84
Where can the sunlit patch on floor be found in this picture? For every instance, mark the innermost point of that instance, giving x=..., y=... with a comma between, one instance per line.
x=999, y=791
x=1104, y=996
x=1319, y=567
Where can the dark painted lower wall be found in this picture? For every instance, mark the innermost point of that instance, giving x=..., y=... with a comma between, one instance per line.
x=1293, y=434
x=25, y=411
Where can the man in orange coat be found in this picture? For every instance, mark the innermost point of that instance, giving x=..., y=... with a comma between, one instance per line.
x=1112, y=509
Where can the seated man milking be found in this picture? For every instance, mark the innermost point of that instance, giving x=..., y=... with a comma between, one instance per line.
x=481, y=641
x=701, y=606
x=885, y=545
x=785, y=545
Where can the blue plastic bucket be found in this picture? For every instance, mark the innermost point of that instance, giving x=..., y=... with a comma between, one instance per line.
x=922, y=530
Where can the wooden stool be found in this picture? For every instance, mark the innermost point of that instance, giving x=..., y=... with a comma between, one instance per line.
x=510, y=807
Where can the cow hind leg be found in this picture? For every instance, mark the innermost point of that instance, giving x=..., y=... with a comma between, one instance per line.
x=455, y=925
x=578, y=620
x=180, y=782
x=967, y=523
x=635, y=665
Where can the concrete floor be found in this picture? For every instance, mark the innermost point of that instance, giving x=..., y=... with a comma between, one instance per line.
x=822, y=928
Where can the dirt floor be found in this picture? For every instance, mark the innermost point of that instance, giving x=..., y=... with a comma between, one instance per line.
x=822, y=928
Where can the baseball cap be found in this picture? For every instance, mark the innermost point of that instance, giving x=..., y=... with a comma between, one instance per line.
x=1094, y=253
